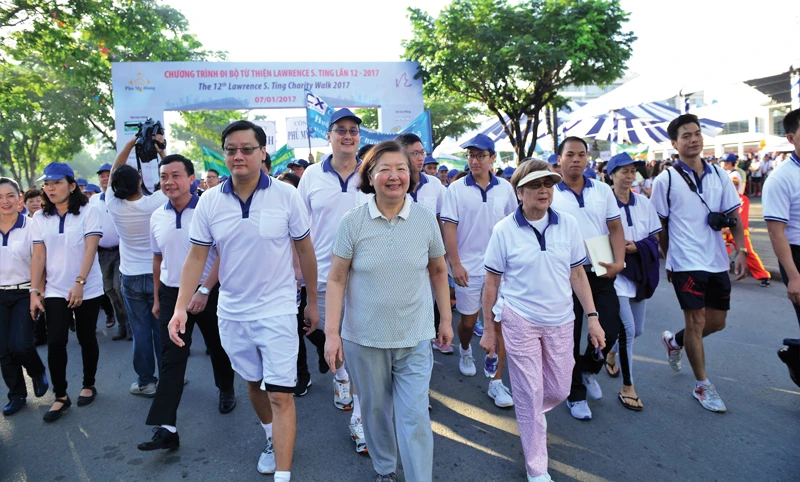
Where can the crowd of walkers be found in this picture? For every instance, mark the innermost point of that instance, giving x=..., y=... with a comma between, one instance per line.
x=361, y=253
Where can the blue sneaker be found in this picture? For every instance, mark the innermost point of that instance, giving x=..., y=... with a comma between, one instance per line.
x=490, y=366
x=479, y=328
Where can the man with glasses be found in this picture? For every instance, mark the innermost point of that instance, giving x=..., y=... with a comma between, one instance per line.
x=472, y=206
x=329, y=190
x=212, y=178
x=252, y=218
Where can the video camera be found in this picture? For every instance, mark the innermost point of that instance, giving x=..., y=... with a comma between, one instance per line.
x=717, y=221
x=145, y=144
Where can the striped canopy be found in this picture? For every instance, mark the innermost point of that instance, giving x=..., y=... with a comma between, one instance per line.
x=496, y=133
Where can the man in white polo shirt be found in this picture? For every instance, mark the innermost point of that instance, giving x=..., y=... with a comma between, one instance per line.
x=130, y=210
x=594, y=205
x=108, y=253
x=169, y=240
x=472, y=206
x=695, y=201
x=329, y=190
x=782, y=214
x=254, y=221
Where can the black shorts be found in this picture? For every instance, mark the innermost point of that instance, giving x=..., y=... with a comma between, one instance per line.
x=700, y=289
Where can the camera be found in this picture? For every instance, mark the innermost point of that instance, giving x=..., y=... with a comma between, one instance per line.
x=145, y=144
x=717, y=221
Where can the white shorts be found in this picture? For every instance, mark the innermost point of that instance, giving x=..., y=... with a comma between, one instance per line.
x=264, y=350
x=468, y=300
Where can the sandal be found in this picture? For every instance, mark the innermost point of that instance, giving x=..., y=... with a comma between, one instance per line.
x=610, y=367
x=622, y=399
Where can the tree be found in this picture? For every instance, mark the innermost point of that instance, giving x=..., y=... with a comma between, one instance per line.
x=451, y=116
x=514, y=58
x=202, y=129
x=369, y=117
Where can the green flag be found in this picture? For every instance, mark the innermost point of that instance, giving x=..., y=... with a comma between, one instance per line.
x=282, y=156
x=212, y=160
x=636, y=151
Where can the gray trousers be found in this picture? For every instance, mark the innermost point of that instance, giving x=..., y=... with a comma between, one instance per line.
x=112, y=285
x=632, y=314
x=395, y=382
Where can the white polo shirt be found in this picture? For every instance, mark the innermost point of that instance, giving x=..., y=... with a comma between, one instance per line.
x=534, y=260
x=475, y=212
x=734, y=174
x=328, y=197
x=169, y=238
x=15, y=252
x=639, y=220
x=429, y=193
x=64, y=238
x=132, y=220
x=781, y=198
x=254, y=240
x=593, y=207
x=110, y=237
x=693, y=245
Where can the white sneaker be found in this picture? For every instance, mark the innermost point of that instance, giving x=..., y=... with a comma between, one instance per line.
x=342, y=399
x=709, y=398
x=148, y=390
x=500, y=394
x=580, y=410
x=266, y=462
x=540, y=478
x=466, y=365
x=357, y=434
x=673, y=354
x=592, y=387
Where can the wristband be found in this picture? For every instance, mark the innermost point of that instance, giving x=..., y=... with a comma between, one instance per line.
x=592, y=314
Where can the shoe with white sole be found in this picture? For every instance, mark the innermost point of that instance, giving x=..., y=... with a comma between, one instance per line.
x=674, y=355
x=545, y=477
x=342, y=398
x=436, y=346
x=357, y=434
x=466, y=365
x=478, y=330
x=593, y=389
x=148, y=390
x=266, y=462
x=500, y=394
x=580, y=410
x=709, y=398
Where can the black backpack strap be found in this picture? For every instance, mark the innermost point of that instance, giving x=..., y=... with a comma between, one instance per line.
x=669, y=188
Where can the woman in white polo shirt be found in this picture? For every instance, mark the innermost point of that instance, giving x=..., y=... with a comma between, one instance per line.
x=17, y=349
x=386, y=256
x=537, y=243
x=65, y=236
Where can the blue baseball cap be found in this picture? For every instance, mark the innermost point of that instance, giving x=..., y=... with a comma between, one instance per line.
x=729, y=157
x=621, y=159
x=299, y=163
x=92, y=188
x=430, y=160
x=104, y=167
x=194, y=186
x=452, y=173
x=82, y=182
x=482, y=142
x=508, y=172
x=553, y=159
x=55, y=171
x=443, y=168
x=343, y=114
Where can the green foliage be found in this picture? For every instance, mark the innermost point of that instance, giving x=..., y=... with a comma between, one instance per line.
x=514, y=58
x=203, y=128
x=451, y=116
x=369, y=117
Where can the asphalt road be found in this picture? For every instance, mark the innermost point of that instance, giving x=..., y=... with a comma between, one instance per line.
x=672, y=439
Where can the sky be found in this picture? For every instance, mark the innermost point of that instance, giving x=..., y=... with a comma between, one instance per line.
x=750, y=38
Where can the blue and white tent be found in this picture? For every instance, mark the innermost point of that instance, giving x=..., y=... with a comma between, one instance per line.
x=496, y=133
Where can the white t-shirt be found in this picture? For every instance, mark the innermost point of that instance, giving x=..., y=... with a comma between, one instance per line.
x=169, y=237
x=693, y=245
x=639, y=220
x=781, y=198
x=15, y=252
x=64, y=239
x=475, y=211
x=535, y=265
x=254, y=242
x=430, y=193
x=735, y=176
x=110, y=237
x=132, y=220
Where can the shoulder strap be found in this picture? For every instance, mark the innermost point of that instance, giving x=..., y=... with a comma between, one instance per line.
x=692, y=187
x=669, y=188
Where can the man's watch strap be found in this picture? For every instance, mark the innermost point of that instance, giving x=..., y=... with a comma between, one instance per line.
x=592, y=314
x=203, y=290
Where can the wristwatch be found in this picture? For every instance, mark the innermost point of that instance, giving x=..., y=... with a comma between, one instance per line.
x=594, y=313
x=743, y=250
x=203, y=290
x=80, y=281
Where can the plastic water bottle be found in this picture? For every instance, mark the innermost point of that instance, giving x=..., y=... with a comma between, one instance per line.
x=490, y=366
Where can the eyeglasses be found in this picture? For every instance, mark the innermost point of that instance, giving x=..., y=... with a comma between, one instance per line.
x=353, y=131
x=548, y=183
x=231, y=151
x=416, y=153
x=479, y=157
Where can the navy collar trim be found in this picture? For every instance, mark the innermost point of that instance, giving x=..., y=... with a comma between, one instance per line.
x=588, y=183
x=706, y=167
x=327, y=167
x=263, y=183
x=20, y=222
x=795, y=158
x=191, y=205
x=522, y=222
x=469, y=180
x=627, y=206
x=423, y=179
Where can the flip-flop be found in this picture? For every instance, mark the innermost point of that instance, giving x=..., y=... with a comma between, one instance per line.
x=622, y=399
x=612, y=366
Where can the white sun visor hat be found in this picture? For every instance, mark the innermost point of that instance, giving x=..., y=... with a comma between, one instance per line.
x=532, y=176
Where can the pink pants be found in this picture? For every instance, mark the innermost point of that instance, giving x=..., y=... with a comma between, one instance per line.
x=540, y=365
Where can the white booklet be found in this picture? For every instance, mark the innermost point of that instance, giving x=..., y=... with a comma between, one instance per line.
x=599, y=249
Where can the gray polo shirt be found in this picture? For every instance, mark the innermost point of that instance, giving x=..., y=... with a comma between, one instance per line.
x=388, y=296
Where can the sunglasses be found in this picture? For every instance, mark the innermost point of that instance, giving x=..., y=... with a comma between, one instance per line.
x=548, y=183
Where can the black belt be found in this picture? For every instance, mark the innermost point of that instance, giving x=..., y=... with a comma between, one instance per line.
x=113, y=248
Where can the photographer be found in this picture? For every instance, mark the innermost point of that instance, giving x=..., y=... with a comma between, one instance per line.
x=130, y=210
x=695, y=201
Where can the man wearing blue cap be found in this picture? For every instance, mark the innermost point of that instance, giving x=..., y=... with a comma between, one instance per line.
x=298, y=167
x=91, y=190
x=554, y=165
x=472, y=206
x=430, y=165
x=108, y=254
x=82, y=183
x=508, y=172
x=441, y=173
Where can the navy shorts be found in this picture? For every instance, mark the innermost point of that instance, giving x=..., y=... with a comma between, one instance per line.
x=701, y=289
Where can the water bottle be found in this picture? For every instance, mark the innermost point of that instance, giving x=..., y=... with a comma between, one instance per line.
x=490, y=366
